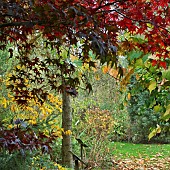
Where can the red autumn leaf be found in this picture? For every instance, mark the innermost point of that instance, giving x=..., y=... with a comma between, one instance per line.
x=163, y=64
x=154, y=62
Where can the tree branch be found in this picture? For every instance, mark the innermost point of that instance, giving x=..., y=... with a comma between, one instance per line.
x=24, y=23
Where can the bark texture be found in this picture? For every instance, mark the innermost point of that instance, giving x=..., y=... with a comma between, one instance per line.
x=67, y=158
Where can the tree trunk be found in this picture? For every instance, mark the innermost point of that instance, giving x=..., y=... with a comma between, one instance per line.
x=67, y=158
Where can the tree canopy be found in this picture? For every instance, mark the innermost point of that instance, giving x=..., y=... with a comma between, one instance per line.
x=97, y=24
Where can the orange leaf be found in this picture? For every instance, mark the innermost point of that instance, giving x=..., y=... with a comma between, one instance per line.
x=113, y=73
x=105, y=69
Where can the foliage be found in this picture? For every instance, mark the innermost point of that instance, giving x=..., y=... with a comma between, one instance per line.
x=31, y=137
x=147, y=102
x=98, y=118
x=25, y=139
x=28, y=134
x=5, y=66
x=29, y=140
x=105, y=96
x=14, y=161
x=96, y=24
x=93, y=127
x=34, y=161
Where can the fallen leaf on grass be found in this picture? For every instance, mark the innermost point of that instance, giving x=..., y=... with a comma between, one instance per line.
x=155, y=163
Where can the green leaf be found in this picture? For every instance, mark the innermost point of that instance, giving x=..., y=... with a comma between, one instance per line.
x=154, y=132
x=135, y=54
x=152, y=86
x=139, y=62
x=78, y=63
x=92, y=55
x=157, y=108
x=145, y=58
x=166, y=74
x=166, y=115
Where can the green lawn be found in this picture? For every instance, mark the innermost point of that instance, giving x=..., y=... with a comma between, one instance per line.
x=127, y=150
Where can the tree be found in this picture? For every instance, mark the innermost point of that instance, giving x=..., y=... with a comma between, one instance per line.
x=97, y=24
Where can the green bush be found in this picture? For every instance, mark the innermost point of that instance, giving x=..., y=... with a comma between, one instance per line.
x=14, y=161
x=142, y=112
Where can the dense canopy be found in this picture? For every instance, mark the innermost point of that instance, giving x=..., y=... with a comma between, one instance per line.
x=97, y=24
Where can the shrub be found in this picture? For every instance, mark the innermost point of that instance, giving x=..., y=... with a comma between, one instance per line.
x=142, y=108
x=94, y=127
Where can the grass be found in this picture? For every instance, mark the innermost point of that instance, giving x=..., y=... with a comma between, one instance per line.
x=127, y=150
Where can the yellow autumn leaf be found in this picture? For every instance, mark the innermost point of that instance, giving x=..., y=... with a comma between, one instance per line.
x=152, y=86
x=58, y=133
x=49, y=110
x=157, y=108
x=60, y=167
x=166, y=115
x=150, y=25
x=10, y=126
x=129, y=96
x=68, y=132
x=18, y=67
x=158, y=129
x=97, y=77
x=137, y=77
x=9, y=95
x=32, y=122
x=13, y=108
x=4, y=102
x=73, y=58
x=50, y=96
x=59, y=103
x=126, y=78
x=26, y=80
